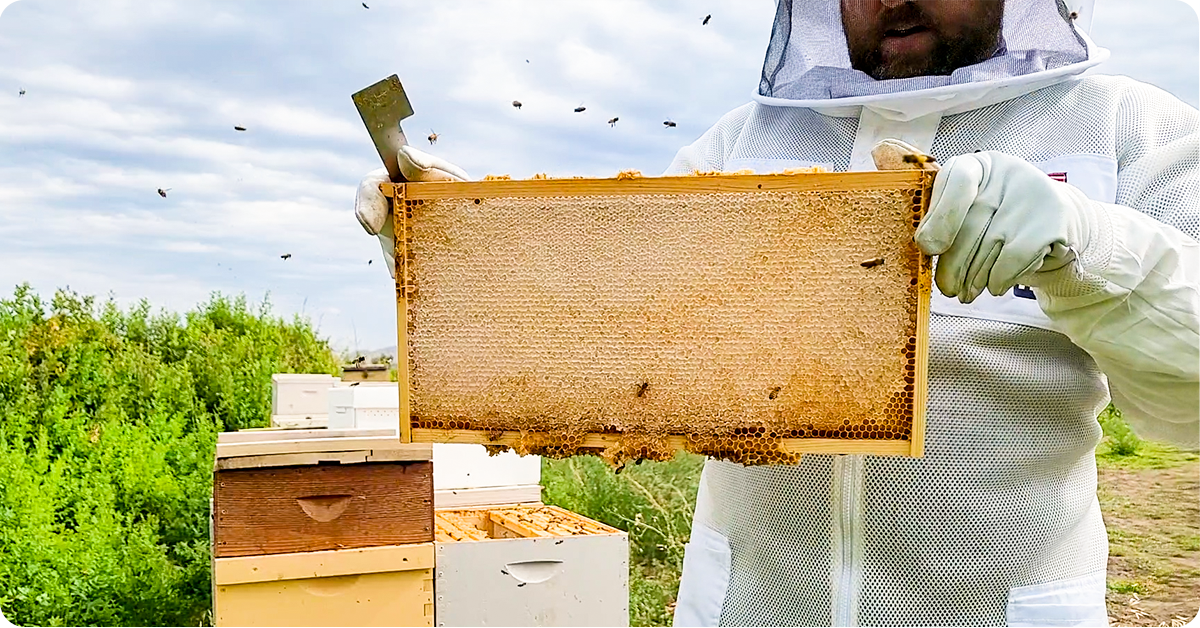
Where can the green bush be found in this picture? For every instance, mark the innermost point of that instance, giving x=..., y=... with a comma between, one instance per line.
x=652, y=501
x=1118, y=436
x=108, y=421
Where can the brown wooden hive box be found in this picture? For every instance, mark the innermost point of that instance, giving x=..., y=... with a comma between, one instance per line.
x=308, y=501
x=747, y=317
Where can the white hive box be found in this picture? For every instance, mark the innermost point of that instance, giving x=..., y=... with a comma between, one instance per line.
x=529, y=566
x=365, y=405
x=300, y=399
x=463, y=475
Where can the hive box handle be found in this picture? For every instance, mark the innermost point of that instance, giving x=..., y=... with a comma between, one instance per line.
x=324, y=508
x=533, y=571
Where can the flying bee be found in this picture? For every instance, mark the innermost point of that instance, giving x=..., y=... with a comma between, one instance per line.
x=613, y=122
x=872, y=263
x=706, y=19
x=517, y=104
x=21, y=93
x=642, y=388
x=580, y=108
x=432, y=137
x=285, y=256
x=669, y=124
x=163, y=193
x=1073, y=16
x=239, y=128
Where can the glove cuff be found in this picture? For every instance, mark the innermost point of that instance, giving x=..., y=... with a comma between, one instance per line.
x=1084, y=276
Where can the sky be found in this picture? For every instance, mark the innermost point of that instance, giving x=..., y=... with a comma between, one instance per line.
x=122, y=98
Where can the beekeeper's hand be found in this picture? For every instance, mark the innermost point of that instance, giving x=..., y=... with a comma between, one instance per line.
x=996, y=221
x=371, y=206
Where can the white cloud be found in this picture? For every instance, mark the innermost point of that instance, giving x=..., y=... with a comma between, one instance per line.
x=188, y=247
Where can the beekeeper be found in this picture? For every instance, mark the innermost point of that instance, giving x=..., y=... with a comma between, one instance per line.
x=1064, y=221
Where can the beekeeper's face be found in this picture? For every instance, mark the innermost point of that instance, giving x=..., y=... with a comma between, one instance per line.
x=905, y=38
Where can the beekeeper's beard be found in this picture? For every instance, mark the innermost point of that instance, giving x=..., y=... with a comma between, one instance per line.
x=973, y=42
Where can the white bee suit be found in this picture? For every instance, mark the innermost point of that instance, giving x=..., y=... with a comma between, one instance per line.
x=999, y=522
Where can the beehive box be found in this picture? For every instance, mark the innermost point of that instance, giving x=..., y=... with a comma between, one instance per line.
x=751, y=318
x=456, y=466
x=377, y=586
x=529, y=566
x=366, y=373
x=298, y=400
x=287, y=491
x=369, y=405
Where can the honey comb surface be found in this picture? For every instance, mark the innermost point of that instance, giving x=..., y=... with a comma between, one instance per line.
x=480, y=524
x=731, y=319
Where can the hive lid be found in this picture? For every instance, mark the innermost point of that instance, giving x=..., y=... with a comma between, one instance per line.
x=280, y=447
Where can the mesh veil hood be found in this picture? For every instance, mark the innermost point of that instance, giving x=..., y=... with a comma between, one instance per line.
x=808, y=62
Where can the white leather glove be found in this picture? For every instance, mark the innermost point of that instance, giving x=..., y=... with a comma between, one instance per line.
x=371, y=206
x=996, y=221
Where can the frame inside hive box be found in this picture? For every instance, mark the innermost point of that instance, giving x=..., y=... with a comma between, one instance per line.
x=747, y=317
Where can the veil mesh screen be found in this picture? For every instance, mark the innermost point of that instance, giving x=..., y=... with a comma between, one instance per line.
x=731, y=319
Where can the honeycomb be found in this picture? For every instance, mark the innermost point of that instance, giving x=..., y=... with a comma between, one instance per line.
x=722, y=322
x=518, y=521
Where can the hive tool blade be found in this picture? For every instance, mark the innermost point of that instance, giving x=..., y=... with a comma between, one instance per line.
x=382, y=107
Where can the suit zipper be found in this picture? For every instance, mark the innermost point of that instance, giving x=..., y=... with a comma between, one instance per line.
x=847, y=538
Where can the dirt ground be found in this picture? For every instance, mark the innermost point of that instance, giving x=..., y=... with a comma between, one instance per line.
x=1153, y=520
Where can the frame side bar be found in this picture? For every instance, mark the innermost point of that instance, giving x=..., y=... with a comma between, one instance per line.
x=925, y=290
x=400, y=232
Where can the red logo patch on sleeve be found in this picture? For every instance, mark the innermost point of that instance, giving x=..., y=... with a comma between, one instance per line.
x=1058, y=176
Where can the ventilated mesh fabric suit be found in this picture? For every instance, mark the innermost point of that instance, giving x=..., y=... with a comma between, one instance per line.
x=1005, y=496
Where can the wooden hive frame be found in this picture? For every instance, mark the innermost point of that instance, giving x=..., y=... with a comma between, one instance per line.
x=915, y=186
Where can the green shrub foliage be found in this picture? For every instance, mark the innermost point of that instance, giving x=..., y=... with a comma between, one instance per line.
x=108, y=420
x=1118, y=436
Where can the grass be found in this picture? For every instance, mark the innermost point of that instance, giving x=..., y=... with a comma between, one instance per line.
x=1150, y=455
x=1121, y=585
x=1122, y=449
x=1147, y=492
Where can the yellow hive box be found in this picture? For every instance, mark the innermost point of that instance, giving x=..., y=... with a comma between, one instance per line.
x=747, y=317
x=376, y=586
